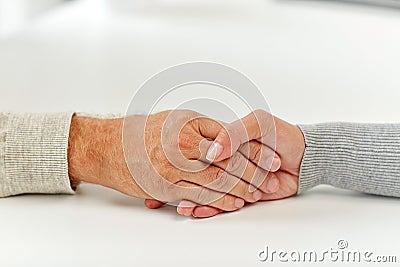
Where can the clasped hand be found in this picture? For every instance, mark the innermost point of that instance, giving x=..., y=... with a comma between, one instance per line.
x=181, y=156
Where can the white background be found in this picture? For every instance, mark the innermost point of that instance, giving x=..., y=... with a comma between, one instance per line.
x=314, y=61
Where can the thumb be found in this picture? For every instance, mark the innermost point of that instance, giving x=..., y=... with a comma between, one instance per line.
x=255, y=125
x=224, y=145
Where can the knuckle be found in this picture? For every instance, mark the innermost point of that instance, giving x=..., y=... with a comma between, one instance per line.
x=207, y=176
x=221, y=183
x=202, y=196
x=213, y=175
x=255, y=152
x=218, y=174
x=260, y=113
x=190, y=114
x=235, y=164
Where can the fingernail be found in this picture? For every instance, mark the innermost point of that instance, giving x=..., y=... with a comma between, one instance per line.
x=214, y=151
x=257, y=195
x=179, y=210
x=276, y=163
x=187, y=213
x=239, y=203
x=273, y=185
x=183, y=211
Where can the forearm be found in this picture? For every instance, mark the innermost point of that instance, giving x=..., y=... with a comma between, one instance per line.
x=362, y=157
x=95, y=154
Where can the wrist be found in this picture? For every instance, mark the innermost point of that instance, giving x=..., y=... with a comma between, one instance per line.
x=94, y=147
x=96, y=155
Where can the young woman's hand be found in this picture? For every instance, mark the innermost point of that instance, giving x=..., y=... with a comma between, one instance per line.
x=257, y=132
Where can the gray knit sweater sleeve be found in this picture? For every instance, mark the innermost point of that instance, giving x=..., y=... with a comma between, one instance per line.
x=361, y=157
x=33, y=153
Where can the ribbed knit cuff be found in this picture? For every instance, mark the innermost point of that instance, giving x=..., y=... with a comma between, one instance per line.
x=361, y=157
x=34, y=153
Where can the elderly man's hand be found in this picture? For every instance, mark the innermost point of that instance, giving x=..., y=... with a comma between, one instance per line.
x=165, y=152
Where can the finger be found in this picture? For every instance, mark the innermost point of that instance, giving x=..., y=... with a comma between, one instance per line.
x=261, y=155
x=258, y=153
x=203, y=196
x=239, y=170
x=271, y=185
x=186, y=207
x=153, y=203
x=196, y=147
x=289, y=189
x=221, y=179
x=254, y=126
x=205, y=212
x=209, y=128
x=206, y=129
x=251, y=176
x=189, y=208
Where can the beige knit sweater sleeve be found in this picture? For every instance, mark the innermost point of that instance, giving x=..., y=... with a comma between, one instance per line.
x=33, y=153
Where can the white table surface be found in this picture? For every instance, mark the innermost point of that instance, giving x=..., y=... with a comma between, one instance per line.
x=315, y=61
